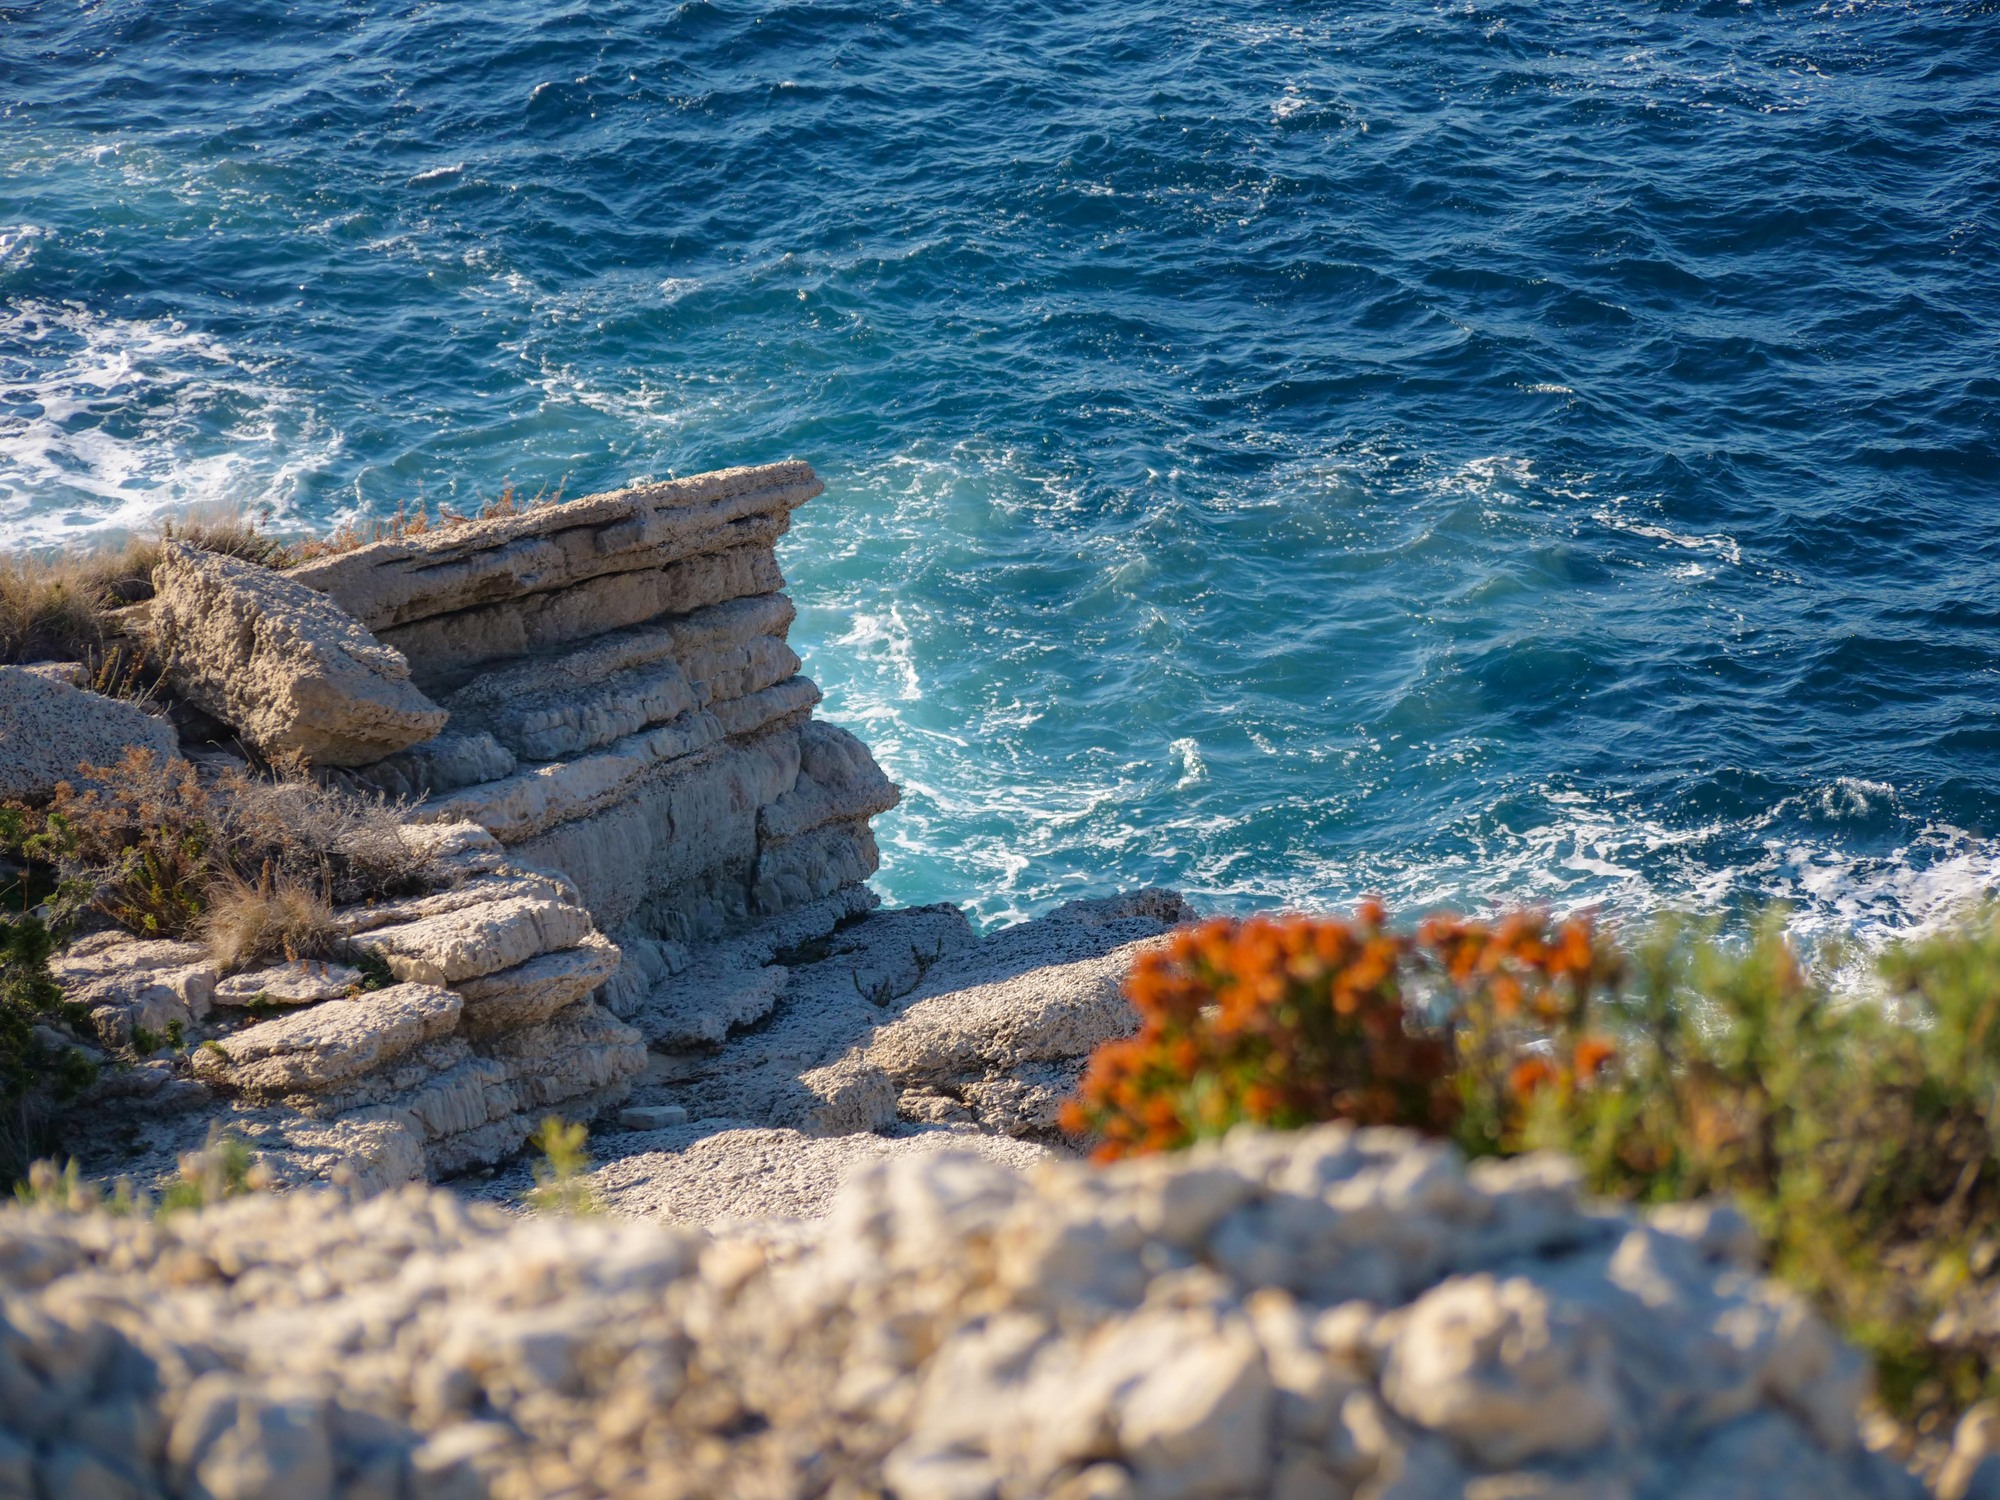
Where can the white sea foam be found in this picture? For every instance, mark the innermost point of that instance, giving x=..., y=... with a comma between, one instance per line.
x=105, y=423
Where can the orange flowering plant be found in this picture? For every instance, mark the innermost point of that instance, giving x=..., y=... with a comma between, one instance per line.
x=1862, y=1140
x=1270, y=1021
x=1525, y=998
x=1285, y=1021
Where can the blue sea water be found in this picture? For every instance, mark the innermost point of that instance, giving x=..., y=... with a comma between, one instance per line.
x=1283, y=448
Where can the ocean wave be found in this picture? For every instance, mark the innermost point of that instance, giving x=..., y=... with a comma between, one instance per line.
x=107, y=423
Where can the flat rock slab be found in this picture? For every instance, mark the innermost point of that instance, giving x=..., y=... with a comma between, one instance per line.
x=282, y=664
x=49, y=728
x=478, y=940
x=717, y=1173
x=314, y=1049
x=544, y=548
x=304, y=982
x=127, y=983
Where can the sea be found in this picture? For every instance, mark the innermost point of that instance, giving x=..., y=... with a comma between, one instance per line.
x=1288, y=450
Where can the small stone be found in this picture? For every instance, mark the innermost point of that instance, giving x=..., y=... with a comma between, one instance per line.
x=652, y=1117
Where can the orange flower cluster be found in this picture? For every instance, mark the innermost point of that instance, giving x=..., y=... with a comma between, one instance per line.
x=1276, y=1022
x=1283, y=1022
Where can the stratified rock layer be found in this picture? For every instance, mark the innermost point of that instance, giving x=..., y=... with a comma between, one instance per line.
x=1335, y=1313
x=624, y=706
x=492, y=1027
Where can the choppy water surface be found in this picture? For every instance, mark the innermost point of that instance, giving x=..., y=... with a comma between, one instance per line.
x=1280, y=447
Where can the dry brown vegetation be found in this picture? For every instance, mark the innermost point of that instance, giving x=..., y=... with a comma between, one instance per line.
x=408, y=522
x=253, y=864
x=246, y=921
x=55, y=608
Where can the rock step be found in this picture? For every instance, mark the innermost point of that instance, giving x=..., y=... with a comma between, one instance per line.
x=531, y=992
x=681, y=831
x=838, y=779
x=456, y=567
x=446, y=652
x=478, y=940
x=314, y=1049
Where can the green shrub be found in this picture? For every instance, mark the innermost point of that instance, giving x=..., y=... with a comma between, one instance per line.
x=562, y=1171
x=1861, y=1136
x=37, y=1074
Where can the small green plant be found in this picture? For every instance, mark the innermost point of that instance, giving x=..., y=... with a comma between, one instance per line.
x=39, y=1071
x=145, y=1042
x=63, y=1189
x=225, y=1168
x=375, y=971
x=562, y=1180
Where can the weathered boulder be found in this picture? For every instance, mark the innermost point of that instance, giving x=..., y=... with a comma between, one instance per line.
x=1185, y=1328
x=281, y=663
x=49, y=727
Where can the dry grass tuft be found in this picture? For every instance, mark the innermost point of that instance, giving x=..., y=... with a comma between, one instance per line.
x=408, y=522
x=154, y=845
x=248, y=922
x=55, y=608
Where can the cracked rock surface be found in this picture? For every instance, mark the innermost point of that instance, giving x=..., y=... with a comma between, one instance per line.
x=1353, y=1314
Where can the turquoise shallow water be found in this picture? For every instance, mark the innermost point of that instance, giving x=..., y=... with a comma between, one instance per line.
x=1282, y=448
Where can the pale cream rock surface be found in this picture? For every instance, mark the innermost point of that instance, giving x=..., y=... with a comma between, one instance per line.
x=280, y=663
x=477, y=940
x=312, y=1049
x=49, y=727
x=957, y=1329
x=126, y=982
x=546, y=548
x=304, y=981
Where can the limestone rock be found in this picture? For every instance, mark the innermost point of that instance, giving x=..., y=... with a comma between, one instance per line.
x=282, y=664
x=448, y=651
x=302, y=982
x=314, y=1049
x=545, y=548
x=128, y=983
x=444, y=763
x=956, y=1327
x=478, y=939
x=49, y=727
x=838, y=779
x=536, y=989
x=548, y=708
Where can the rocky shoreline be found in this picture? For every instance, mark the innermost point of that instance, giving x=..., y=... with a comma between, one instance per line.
x=633, y=872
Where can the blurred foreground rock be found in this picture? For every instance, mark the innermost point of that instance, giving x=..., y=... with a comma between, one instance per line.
x=1334, y=1313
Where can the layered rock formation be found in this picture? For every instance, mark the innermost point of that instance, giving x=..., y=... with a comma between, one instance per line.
x=611, y=757
x=624, y=709
x=488, y=1026
x=1329, y=1314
